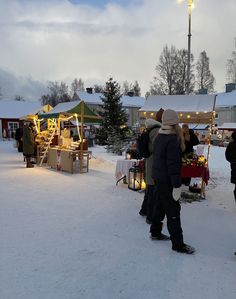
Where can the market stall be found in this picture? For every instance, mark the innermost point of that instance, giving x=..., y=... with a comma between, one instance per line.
x=226, y=130
x=66, y=152
x=34, y=116
x=192, y=109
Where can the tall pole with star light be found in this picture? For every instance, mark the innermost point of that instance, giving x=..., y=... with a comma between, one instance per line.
x=190, y=8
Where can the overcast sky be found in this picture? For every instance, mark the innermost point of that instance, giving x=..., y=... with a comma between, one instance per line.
x=96, y=39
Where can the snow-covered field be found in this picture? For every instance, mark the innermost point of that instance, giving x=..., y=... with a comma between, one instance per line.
x=79, y=236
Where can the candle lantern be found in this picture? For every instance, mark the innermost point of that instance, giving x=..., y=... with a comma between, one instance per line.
x=135, y=178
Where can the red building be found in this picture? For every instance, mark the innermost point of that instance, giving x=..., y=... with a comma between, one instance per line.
x=10, y=114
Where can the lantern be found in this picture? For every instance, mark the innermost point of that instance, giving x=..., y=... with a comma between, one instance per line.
x=135, y=178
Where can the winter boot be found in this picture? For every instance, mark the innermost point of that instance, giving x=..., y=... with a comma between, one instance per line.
x=28, y=163
x=142, y=213
x=184, y=249
x=159, y=237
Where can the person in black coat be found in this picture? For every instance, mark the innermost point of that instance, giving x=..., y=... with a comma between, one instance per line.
x=166, y=172
x=230, y=155
x=18, y=138
x=190, y=139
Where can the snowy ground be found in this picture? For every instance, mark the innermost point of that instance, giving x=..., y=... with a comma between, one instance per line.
x=80, y=237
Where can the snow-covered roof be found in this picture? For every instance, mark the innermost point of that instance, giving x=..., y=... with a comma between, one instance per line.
x=226, y=99
x=191, y=108
x=18, y=109
x=95, y=98
x=227, y=126
x=62, y=107
x=180, y=103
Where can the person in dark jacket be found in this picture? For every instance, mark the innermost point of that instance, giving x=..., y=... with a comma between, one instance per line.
x=230, y=155
x=18, y=138
x=148, y=202
x=190, y=139
x=166, y=172
x=28, y=143
x=153, y=125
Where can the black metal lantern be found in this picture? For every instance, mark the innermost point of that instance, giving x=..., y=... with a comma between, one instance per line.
x=135, y=178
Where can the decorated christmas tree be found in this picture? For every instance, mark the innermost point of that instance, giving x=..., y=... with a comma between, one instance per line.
x=113, y=127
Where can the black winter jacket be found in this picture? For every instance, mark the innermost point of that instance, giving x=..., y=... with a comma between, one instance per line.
x=167, y=157
x=230, y=155
x=190, y=144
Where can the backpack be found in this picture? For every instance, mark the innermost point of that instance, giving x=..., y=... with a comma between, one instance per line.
x=143, y=142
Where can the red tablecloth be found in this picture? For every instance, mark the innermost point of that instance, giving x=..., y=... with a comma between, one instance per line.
x=188, y=171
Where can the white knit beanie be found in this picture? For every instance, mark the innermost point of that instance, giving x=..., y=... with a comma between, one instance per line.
x=170, y=117
x=150, y=122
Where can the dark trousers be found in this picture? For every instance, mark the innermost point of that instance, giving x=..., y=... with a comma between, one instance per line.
x=148, y=202
x=167, y=206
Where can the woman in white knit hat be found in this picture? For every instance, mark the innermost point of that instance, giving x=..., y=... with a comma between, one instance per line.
x=166, y=172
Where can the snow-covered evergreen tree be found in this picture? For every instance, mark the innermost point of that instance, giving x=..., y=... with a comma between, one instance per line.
x=113, y=115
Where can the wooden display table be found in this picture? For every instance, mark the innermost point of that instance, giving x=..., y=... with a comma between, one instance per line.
x=68, y=160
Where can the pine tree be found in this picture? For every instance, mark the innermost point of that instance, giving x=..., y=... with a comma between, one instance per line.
x=113, y=115
x=205, y=78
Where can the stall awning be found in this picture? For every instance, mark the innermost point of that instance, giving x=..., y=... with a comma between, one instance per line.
x=228, y=126
x=199, y=127
x=35, y=114
x=67, y=109
x=191, y=108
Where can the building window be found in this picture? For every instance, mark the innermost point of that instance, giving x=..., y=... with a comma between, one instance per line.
x=12, y=126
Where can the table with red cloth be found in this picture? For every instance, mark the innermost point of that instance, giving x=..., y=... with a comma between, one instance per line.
x=195, y=171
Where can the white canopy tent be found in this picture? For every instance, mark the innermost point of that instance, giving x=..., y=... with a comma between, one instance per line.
x=192, y=109
x=228, y=127
x=197, y=109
